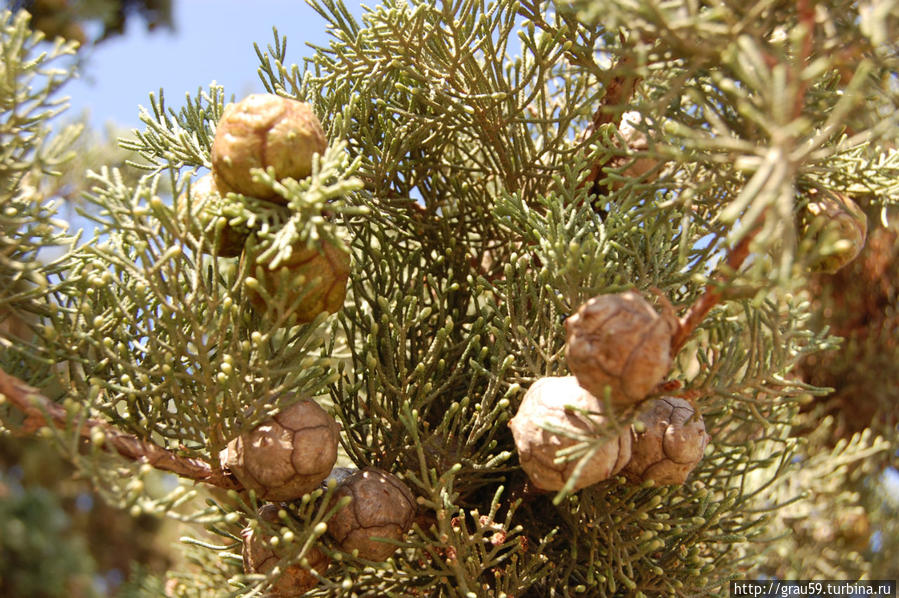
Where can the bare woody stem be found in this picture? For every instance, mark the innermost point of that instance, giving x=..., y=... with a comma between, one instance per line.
x=40, y=411
x=736, y=257
x=712, y=294
x=618, y=91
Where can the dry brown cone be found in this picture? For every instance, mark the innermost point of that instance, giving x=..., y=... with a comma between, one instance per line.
x=669, y=439
x=310, y=281
x=561, y=403
x=381, y=507
x=259, y=557
x=618, y=342
x=287, y=456
x=262, y=131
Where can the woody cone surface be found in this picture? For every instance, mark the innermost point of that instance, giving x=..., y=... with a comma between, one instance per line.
x=544, y=405
x=671, y=445
x=381, y=507
x=311, y=281
x=288, y=455
x=259, y=557
x=620, y=342
x=261, y=131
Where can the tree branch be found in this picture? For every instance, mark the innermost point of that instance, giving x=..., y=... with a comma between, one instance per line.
x=619, y=90
x=712, y=295
x=40, y=411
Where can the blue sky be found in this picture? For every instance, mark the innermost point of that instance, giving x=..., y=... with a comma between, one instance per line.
x=213, y=41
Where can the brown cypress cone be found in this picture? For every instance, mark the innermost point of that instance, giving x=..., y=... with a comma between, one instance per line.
x=261, y=131
x=310, y=281
x=205, y=218
x=619, y=342
x=260, y=557
x=635, y=166
x=287, y=456
x=546, y=405
x=671, y=443
x=381, y=507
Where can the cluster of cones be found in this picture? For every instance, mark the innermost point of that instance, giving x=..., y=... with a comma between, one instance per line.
x=618, y=352
x=281, y=136
x=290, y=456
x=294, y=452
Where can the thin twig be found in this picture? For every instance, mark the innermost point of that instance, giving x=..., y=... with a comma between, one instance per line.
x=38, y=408
x=619, y=90
x=712, y=295
x=738, y=254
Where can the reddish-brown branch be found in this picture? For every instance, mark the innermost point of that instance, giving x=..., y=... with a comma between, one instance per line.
x=38, y=408
x=712, y=295
x=618, y=91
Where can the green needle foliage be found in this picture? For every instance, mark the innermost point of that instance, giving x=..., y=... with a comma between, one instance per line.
x=479, y=177
x=31, y=74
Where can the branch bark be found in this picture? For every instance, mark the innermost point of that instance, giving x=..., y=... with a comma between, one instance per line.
x=620, y=89
x=40, y=411
x=712, y=294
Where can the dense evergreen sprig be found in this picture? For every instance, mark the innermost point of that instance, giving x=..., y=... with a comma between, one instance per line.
x=477, y=173
x=30, y=77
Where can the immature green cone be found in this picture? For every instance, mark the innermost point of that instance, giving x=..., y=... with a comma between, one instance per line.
x=287, y=456
x=205, y=215
x=562, y=404
x=261, y=131
x=835, y=228
x=309, y=282
x=259, y=557
x=382, y=507
x=669, y=444
x=619, y=342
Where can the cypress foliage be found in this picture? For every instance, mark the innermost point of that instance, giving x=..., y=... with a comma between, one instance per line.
x=491, y=166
